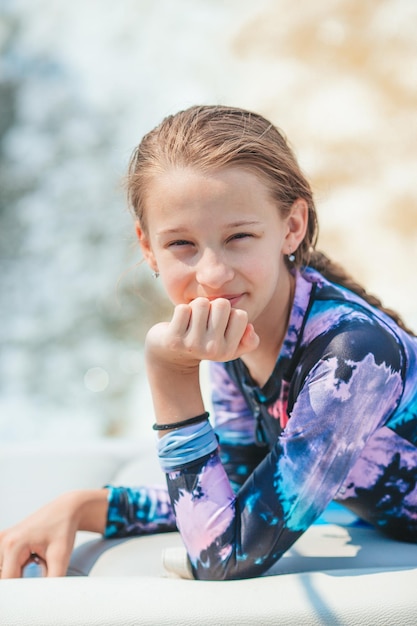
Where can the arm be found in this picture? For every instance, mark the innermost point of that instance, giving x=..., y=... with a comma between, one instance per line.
x=50, y=532
x=341, y=402
x=138, y=511
x=234, y=426
x=145, y=510
x=201, y=330
x=113, y=512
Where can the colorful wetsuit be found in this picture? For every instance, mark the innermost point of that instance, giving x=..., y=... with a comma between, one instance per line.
x=337, y=420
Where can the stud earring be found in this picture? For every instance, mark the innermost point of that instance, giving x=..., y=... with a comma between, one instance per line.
x=155, y=274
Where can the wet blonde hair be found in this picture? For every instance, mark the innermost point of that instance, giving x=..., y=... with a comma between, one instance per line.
x=209, y=138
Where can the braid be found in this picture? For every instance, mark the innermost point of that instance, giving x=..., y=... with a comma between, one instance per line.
x=336, y=273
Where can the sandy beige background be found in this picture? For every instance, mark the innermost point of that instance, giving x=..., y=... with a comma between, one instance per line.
x=349, y=107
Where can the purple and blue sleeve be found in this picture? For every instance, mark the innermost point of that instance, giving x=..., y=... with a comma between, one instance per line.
x=230, y=536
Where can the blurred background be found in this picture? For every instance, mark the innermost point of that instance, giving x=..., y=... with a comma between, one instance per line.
x=82, y=81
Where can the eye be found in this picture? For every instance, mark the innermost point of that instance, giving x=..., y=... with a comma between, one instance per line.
x=240, y=236
x=178, y=243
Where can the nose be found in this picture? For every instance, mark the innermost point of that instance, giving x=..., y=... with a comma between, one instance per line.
x=212, y=270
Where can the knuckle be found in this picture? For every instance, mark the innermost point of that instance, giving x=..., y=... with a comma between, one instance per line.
x=175, y=344
x=182, y=308
x=240, y=315
x=10, y=541
x=199, y=301
x=200, y=304
x=222, y=304
x=213, y=349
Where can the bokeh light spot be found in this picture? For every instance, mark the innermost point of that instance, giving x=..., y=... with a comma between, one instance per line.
x=96, y=379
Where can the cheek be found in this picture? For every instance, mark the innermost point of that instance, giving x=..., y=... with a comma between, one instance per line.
x=174, y=282
x=263, y=266
x=266, y=272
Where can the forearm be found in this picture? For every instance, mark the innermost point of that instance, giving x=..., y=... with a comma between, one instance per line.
x=50, y=532
x=138, y=511
x=176, y=392
x=90, y=507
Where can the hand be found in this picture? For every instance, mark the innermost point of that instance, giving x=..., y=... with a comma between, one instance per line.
x=50, y=532
x=201, y=330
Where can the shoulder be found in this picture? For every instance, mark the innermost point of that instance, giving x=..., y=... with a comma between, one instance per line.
x=356, y=364
x=340, y=323
x=353, y=340
x=356, y=350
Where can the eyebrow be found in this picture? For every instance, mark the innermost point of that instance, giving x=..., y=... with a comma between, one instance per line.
x=244, y=223
x=182, y=229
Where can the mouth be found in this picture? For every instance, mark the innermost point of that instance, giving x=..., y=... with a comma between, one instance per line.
x=234, y=299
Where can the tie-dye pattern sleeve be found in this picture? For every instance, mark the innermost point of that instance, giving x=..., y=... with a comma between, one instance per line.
x=145, y=510
x=349, y=384
x=348, y=395
x=138, y=511
x=234, y=425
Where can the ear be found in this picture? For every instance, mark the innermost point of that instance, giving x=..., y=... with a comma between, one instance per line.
x=145, y=246
x=297, y=222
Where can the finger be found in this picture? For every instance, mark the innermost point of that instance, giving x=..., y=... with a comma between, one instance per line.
x=238, y=322
x=225, y=331
x=218, y=321
x=13, y=563
x=242, y=342
x=200, y=313
x=250, y=340
x=57, y=561
x=180, y=320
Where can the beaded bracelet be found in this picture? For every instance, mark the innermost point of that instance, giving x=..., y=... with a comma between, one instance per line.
x=193, y=420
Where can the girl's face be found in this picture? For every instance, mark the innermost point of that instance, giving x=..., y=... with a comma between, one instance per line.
x=220, y=235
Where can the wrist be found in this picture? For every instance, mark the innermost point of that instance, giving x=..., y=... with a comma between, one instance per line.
x=170, y=362
x=87, y=508
x=197, y=419
x=176, y=394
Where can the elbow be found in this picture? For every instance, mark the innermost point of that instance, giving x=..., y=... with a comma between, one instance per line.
x=231, y=568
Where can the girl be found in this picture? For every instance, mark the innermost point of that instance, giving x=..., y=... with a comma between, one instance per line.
x=314, y=382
